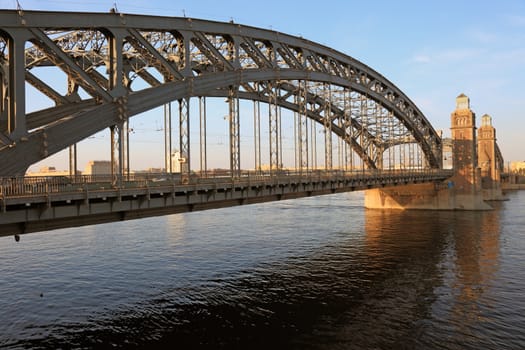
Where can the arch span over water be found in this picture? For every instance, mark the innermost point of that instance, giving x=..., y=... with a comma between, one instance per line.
x=119, y=65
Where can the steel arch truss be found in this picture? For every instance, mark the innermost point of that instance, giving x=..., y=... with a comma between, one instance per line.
x=116, y=65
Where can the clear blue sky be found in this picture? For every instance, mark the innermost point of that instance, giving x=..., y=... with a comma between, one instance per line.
x=432, y=50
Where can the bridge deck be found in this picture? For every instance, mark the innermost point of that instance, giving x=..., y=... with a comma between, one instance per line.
x=39, y=204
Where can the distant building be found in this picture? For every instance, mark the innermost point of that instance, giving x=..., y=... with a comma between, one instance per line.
x=176, y=161
x=518, y=167
x=98, y=167
x=447, y=153
x=49, y=171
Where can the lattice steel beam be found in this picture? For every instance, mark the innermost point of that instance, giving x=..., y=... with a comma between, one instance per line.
x=235, y=136
x=184, y=135
x=303, y=125
x=273, y=127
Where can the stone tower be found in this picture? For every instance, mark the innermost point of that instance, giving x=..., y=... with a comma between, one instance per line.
x=464, y=147
x=486, y=150
x=490, y=173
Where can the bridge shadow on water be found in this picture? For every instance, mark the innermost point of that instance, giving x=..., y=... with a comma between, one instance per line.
x=393, y=280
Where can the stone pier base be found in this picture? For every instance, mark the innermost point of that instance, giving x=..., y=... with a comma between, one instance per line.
x=493, y=194
x=426, y=196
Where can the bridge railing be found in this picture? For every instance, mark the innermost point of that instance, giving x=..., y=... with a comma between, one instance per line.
x=43, y=185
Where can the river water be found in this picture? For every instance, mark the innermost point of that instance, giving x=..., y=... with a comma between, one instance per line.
x=315, y=273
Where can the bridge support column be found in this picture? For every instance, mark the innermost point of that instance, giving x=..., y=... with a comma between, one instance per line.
x=118, y=157
x=349, y=131
x=202, y=136
x=313, y=143
x=257, y=134
x=73, y=161
x=168, y=144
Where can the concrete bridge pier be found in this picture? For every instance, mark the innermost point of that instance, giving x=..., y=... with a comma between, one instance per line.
x=463, y=191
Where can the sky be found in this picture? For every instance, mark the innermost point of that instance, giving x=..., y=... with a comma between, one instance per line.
x=432, y=50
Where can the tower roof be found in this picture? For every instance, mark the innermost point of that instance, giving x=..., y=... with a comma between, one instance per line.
x=462, y=102
x=486, y=120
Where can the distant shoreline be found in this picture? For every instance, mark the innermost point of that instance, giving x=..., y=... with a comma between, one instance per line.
x=510, y=187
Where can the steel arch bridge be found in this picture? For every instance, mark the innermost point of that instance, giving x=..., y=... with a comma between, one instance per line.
x=116, y=66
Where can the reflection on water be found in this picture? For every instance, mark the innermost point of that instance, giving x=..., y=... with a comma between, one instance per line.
x=476, y=254
x=317, y=273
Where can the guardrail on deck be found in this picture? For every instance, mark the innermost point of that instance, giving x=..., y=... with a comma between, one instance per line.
x=41, y=185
